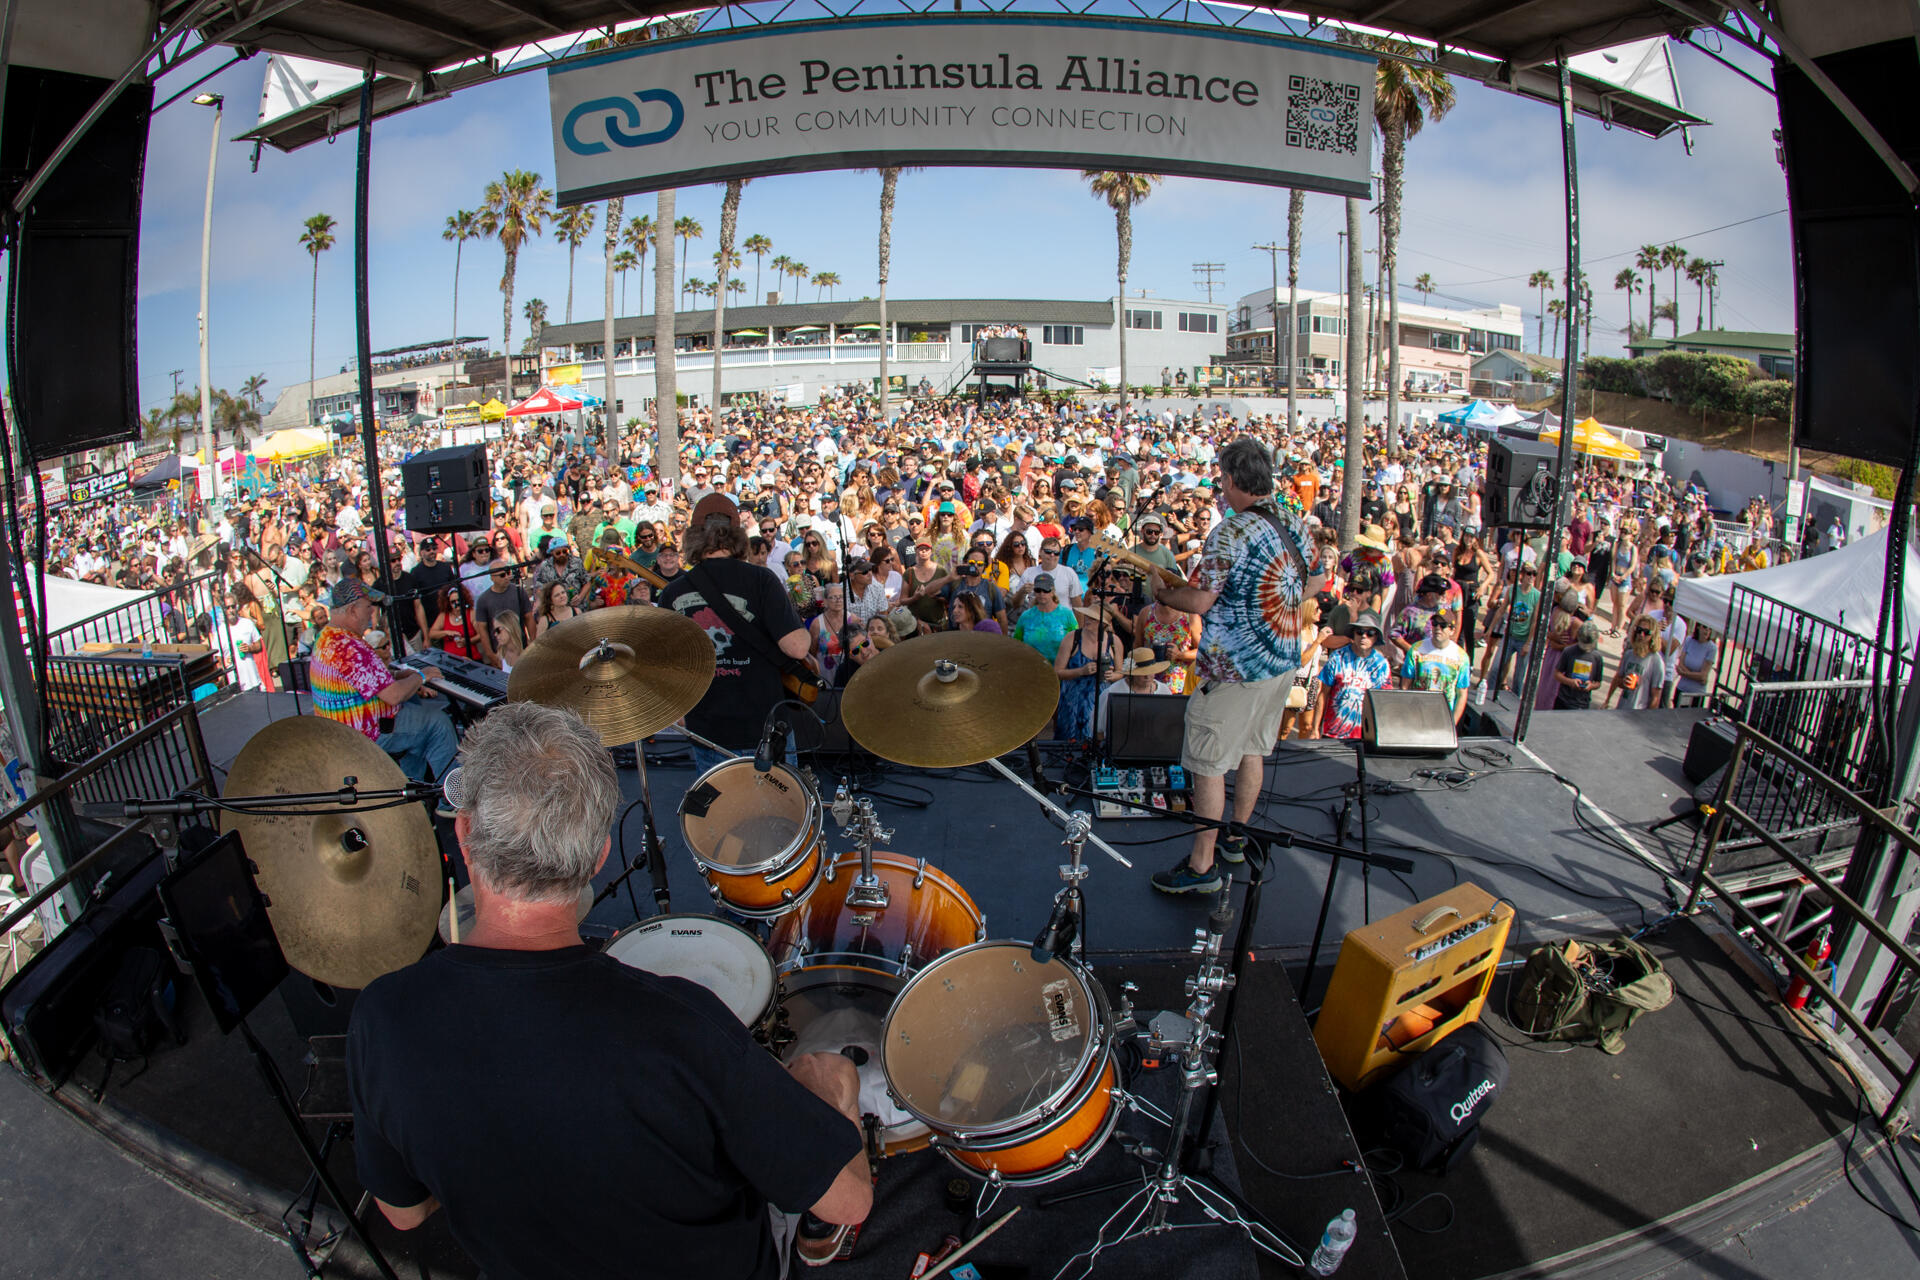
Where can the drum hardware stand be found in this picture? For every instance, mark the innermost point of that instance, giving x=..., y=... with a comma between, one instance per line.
x=1064, y=935
x=1060, y=813
x=858, y=817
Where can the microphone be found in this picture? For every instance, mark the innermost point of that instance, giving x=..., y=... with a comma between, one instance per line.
x=1057, y=935
x=763, y=754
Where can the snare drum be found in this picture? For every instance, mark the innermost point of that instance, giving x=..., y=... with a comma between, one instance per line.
x=757, y=837
x=927, y=915
x=718, y=955
x=1007, y=1060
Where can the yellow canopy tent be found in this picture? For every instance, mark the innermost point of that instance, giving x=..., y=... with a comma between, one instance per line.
x=291, y=443
x=1591, y=438
x=493, y=411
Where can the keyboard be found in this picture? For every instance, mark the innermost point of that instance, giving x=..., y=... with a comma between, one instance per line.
x=474, y=684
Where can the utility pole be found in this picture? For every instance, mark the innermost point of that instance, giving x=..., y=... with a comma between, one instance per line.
x=176, y=379
x=1273, y=308
x=1204, y=273
x=1713, y=291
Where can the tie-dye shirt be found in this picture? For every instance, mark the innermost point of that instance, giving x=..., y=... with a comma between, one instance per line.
x=1252, y=632
x=1348, y=678
x=347, y=678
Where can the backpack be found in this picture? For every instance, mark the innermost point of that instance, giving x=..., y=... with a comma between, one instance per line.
x=1579, y=991
x=1434, y=1106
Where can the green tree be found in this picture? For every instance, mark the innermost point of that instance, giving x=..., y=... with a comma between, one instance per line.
x=1296, y=213
x=736, y=286
x=252, y=389
x=623, y=262
x=1541, y=281
x=640, y=237
x=1670, y=311
x=572, y=226
x=462, y=226
x=799, y=271
x=316, y=239
x=724, y=260
x=759, y=246
x=1650, y=259
x=1423, y=285
x=610, y=247
x=687, y=230
x=780, y=265
x=536, y=314
x=1674, y=258
x=1627, y=281
x=1121, y=191
x=825, y=280
x=515, y=207
x=889, y=191
x=1698, y=271
x=1557, y=308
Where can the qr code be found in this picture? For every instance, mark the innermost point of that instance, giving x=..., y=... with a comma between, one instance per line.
x=1323, y=115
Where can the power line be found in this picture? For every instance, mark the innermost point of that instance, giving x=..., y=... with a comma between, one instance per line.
x=1608, y=257
x=1204, y=272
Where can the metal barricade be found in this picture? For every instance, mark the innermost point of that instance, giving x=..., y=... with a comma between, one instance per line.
x=1769, y=640
x=173, y=614
x=95, y=703
x=1754, y=749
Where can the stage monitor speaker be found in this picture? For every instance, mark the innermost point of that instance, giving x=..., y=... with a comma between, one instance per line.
x=464, y=466
x=1855, y=241
x=1709, y=749
x=1145, y=728
x=1003, y=351
x=1408, y=722
x=1520, y=489
x=450, y=511
x=75, y=264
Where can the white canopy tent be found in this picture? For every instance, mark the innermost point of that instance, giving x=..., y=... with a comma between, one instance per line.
x=1842, y=588
x=70, y=602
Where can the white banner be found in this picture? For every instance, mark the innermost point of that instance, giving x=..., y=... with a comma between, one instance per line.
x=1012, y=90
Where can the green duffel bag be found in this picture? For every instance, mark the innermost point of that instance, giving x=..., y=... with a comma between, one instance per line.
x=1579, y=991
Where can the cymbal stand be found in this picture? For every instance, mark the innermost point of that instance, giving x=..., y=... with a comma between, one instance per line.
x=655, y=860
x=1058, y=812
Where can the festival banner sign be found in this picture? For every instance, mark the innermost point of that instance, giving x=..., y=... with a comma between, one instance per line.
x=1023, y=91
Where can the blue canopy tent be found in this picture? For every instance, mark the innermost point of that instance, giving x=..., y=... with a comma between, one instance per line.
x=1478, y=415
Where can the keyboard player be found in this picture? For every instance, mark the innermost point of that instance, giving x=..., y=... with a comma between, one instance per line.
x=352, y=685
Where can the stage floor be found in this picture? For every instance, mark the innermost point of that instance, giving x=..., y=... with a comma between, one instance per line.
x=1716, y=1097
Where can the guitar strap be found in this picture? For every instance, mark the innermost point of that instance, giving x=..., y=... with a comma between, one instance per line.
x=755, y=637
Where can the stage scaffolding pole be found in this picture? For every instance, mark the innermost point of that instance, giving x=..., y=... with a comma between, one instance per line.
x=363, y=337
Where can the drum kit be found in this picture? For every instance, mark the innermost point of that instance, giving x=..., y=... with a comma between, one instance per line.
x=1005, y=1056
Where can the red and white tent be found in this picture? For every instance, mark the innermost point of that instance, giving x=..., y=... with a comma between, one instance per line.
x=545, y=400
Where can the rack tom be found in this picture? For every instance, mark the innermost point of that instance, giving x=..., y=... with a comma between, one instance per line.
x=756, y=837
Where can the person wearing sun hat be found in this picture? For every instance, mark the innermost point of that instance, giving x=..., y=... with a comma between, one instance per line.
x=1349, y=674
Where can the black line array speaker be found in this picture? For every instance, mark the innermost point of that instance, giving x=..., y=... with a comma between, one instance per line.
x=1519, y=492
x=1856, y=247
x=73, y=297
x=1408, y=722
x=446, y=490
x=1003, y=351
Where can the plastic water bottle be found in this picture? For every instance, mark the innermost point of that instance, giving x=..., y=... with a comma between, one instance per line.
x=146, y=647
x=1480, y=693
x=1334, y=1244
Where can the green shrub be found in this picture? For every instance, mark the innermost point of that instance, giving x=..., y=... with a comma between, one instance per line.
x=1767, y=398
x=1692, y=380
x=1882, y=477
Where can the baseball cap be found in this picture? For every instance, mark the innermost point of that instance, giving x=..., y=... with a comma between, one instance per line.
x=349, y=589
x=1043, y=582
x=714, y=504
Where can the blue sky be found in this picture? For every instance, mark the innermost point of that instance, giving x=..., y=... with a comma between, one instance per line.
x=1483, y=211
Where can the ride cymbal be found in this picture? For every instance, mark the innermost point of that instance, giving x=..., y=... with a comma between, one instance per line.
x=352, y=894
x=628, y=671
x=951, y=699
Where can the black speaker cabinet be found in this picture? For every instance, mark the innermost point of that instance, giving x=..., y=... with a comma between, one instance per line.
x=1709, y=749
x=1003, y=351
x=464, y=466
x=1408, y=722
x=450, y=511
x=1855, y=241
x=74, y=268
x=1520, y=490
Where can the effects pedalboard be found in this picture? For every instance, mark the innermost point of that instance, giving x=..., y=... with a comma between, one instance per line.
x=1165, y=787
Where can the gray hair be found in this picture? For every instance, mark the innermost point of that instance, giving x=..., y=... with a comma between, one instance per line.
x=1248, y=464
x=544, y=796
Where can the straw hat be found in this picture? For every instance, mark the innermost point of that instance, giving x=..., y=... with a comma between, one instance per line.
x=1140, y=662
x=1372, y=537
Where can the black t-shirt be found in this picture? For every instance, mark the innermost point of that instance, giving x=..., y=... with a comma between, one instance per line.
x=1373, y=510
x=745, y=684
x=490, y=604
x=1574, y=663
x=580, y=1118
x=428, y=579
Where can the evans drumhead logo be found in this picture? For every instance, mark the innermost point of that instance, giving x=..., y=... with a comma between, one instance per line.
x=618, y=121
x=1464, y=1108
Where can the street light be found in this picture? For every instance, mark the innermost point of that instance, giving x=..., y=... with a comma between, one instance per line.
x=217, y=102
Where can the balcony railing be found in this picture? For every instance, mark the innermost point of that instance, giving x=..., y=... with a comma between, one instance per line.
x=816, y=353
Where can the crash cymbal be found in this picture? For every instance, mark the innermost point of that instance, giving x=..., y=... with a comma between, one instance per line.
x=352, y=894
x=951, y=699
x=628, y=671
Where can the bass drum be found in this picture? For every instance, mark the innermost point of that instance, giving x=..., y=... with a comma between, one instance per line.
x=1009, y=1061
x=835, y=1007
x=757, y=837
x=927, y=915
x=716, y=954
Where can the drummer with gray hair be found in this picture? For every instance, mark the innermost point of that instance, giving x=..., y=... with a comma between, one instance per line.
x=573, y=1115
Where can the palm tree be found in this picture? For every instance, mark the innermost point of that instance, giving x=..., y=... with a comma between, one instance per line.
x=1668, y=310
x=687, y=230
x=889, y=191
x=693, y=287
x=639, y=237
x=462, y=226
x=724, y=259
x=1296, y=211
x=1627, y=280
x=799, y=271
x=1650, y=260
x=623, y=262
x=736, y=286
x=759, y=246
x=1423, y=285
x=666, y=361
x=1557, y=308
x=1407, y=92
x=1122, y=191
x=572, y=226
x=536, y=314
x=827, y=280
x=1697, y=271
x=252, y=388
x=316, y=239
x=780, y=265
x=1542, y=281
x=615, y=207
x=1673, y=257
x=515, y=206
x=1586, y=312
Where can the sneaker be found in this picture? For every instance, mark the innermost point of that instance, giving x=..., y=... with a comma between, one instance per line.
x=1182, y=878
x=817, y=1243
x=1231, y=849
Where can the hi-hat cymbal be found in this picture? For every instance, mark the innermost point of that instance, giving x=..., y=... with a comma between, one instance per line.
x=951, y=699
x=352, y=894
x=628, y=671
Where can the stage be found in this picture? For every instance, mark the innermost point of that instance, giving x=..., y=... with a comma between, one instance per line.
x=1720, y=1114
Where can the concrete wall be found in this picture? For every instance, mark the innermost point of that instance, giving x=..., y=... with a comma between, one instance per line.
x=1732, y=479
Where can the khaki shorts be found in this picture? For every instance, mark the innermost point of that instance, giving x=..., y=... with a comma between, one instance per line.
x=1231, y=722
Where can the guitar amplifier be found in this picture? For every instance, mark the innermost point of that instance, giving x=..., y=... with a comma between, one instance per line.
x=1405, y=983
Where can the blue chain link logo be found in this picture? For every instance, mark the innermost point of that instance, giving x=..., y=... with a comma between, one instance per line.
x=628, y=118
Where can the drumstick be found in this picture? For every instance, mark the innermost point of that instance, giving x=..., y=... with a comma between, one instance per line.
x=453, y=910
x=959, y=1254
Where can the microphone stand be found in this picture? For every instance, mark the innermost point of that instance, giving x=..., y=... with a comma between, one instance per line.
x=280, y=611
